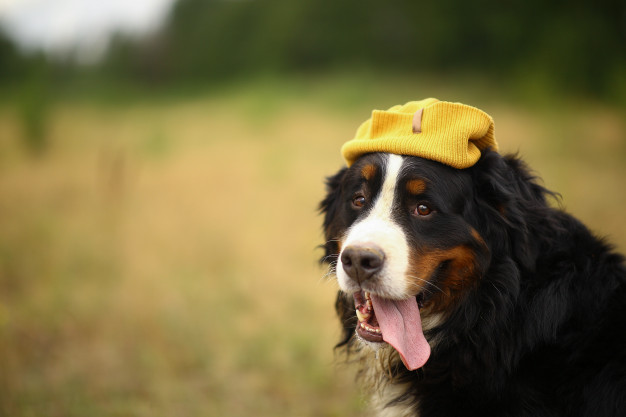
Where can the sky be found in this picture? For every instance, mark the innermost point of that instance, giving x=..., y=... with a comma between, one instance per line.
x=80, y=27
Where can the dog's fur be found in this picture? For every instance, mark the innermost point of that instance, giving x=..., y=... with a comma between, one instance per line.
x=524, y=309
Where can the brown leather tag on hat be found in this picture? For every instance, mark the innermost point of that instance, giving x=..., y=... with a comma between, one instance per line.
x=417, y=121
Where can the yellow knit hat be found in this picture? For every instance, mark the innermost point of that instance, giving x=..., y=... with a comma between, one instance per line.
x=450, y=133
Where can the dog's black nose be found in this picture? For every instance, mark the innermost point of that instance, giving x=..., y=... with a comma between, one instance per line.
x=361, y=262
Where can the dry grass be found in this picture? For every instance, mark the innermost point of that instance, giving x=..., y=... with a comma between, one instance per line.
x=161, y=259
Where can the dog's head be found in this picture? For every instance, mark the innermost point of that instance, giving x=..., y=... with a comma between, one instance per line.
x=411, y=239
x=403, y=245
x=414, y=222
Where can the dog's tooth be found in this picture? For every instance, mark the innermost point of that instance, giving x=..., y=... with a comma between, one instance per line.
x=362, y=316
x=359, y=315
x=369, y=328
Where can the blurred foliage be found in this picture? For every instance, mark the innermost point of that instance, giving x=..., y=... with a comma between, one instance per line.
x=10, y=60
x=556, y=47
x=33, y=110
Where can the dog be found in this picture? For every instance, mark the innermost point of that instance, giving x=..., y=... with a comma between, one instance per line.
x=465, y=292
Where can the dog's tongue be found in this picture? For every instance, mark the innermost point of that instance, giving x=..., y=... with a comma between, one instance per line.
x=401, y=326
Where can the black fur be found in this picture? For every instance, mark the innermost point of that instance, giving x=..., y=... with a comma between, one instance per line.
x=543, y=333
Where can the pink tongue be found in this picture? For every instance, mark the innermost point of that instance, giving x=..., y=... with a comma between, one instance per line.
x=401, y=326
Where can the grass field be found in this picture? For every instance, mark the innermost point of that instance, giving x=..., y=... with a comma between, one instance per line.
x=159, y=258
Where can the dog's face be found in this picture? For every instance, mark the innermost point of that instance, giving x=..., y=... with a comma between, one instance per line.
x=399, y=229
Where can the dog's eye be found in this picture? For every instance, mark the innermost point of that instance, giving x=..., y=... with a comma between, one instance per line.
x=358, y=201
x=422, y=210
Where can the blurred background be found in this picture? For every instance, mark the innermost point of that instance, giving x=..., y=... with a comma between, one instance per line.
x=161, y=163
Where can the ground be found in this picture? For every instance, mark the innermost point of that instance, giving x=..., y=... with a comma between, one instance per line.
x=160, y=258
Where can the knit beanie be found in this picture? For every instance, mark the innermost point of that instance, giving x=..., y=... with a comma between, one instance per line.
x=451, y=133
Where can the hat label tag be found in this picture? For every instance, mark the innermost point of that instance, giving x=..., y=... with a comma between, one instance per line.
x=417, y=121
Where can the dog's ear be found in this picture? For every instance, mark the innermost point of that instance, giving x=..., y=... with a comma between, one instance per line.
x=329, y=207
x=510, y=205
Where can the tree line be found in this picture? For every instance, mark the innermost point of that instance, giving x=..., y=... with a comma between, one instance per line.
x=576, y=45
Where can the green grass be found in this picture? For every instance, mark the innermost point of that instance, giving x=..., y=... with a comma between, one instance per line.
x=160, y=258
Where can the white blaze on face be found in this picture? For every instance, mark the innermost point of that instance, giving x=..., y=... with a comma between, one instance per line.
x=379, y=228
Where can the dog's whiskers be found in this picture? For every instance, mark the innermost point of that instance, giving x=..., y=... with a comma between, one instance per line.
x=327, y=257
x=332, y=269
x=426, y=287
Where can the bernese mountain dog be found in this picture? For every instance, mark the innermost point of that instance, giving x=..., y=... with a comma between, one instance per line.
x=465, y=292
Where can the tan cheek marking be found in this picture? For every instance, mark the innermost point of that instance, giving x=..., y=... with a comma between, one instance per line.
x=416, y=187
x=368, y=171
x=461, y=273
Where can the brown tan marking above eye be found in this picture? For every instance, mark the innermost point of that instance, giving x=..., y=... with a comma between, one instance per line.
x=368, y=171
x=416, y=187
